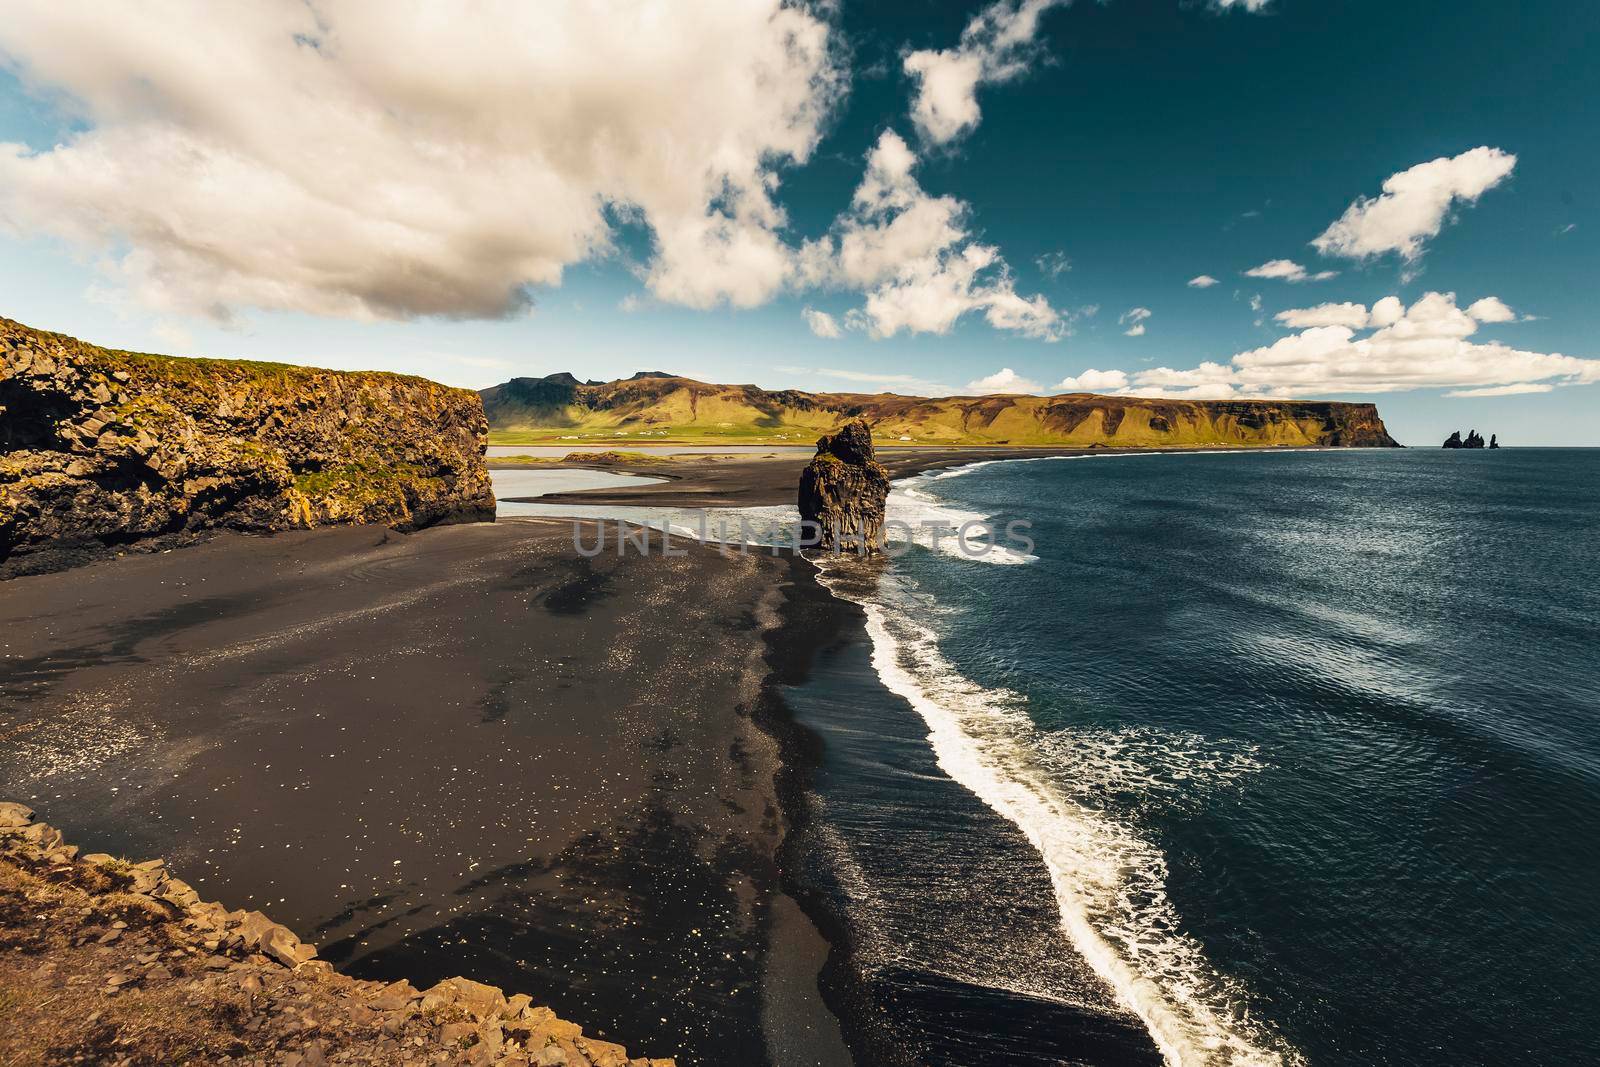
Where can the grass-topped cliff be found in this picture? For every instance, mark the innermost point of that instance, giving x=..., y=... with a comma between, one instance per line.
x=100, y=448
x=664, y=407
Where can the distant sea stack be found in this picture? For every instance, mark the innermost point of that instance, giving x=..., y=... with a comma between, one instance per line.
x=657, y=404
x=101, y=449
x=845, y=490
x=1473, y=440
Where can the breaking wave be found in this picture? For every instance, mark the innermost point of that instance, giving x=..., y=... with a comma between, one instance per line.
x=1075, y=795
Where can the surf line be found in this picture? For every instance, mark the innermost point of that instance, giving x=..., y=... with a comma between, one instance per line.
x=1188, y=1030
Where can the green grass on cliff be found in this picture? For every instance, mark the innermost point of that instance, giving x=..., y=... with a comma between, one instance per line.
x=377, y=478
x=740, y=434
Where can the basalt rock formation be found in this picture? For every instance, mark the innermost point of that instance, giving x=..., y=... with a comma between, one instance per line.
x=101, y=449
x=106, y=961
x=1474, y=440
x=1494, y=441
x=653, y=404
x=844, y=490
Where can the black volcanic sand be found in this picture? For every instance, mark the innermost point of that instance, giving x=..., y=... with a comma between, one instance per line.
x=696, y=481
x=465, y=751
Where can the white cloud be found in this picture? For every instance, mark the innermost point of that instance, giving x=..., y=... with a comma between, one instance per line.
x=1414, y=205
x=1289, y=271
x=1134, y=320
x=1255, y=7
x=1492, y=309
x=905, y=384
x=996, y=46
x=363, y=159
x=1204, y=281
x=1425, y=346
x=1505, y=390
x=1053, y=264
x=1387, y=312
x=1093, y=381
x=1004, y=380
x=1354, y=316
x=910, y=253
x=1255, y=302
x=822, y=324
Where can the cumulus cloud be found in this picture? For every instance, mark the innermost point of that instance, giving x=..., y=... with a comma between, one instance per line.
x=910, y=253
x=1354, y=316
x=1492, y=309
x=1134, y=319
x=1204, y=281
x=822, y=324
x=996, y=46
x=1004, y=380
x=1413, y=205
x=1255, y=7
x=363, y=159
x=1395, y=348
x=1288, y=270
x=1093, y=381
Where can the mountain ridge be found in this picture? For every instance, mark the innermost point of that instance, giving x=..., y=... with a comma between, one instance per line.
x=559, y=406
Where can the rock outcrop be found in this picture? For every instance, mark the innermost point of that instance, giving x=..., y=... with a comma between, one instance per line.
x=844, y=490
x=105, y=961
x=100, y=449
x=1473, y=440
x=1494, y=441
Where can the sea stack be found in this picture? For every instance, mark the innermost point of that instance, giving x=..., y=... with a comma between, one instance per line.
x=1474, y=440
x=844, y=491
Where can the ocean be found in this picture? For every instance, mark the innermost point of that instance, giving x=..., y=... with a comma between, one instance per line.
x=1250, y=758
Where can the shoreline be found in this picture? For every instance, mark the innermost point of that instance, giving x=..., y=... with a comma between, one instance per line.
x=744, y=482
x=790, y=618
x=847, y=780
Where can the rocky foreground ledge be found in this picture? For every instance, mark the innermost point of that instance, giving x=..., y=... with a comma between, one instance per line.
x=106, y=961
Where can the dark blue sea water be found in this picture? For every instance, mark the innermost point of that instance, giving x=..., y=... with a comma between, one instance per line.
x=1265, y=758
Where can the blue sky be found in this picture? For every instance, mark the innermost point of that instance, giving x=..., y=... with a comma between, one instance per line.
x=1116, y=152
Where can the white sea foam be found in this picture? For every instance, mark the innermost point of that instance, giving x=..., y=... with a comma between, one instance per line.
x=915, y=515
x=968, y=468
x=1061, y=790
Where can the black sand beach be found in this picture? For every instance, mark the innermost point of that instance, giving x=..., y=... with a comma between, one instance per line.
x=464, y=751
x=697, y=481
x=473, y=750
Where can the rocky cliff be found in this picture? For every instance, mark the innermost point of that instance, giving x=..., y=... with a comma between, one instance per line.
x=844, y=490
x=106, y=961
x=101, y=448
x=662, y=405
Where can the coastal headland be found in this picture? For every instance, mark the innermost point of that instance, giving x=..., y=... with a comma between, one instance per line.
x=102, y=449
